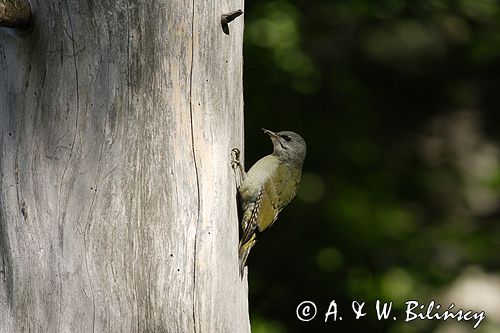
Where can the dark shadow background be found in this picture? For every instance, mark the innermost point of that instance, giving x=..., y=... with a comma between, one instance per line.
x=399, y=104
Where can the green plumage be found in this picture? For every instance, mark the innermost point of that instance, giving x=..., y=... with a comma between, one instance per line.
x=268, y=187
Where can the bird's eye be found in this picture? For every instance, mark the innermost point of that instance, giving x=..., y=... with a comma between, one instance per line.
x=286, y=137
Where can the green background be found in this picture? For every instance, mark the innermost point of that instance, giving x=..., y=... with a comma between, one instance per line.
x=399, y=104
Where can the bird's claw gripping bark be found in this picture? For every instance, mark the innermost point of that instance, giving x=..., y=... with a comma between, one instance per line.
x=237, y=167
x=235, y=158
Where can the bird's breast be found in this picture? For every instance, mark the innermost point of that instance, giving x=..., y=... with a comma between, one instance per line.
x=257, y=176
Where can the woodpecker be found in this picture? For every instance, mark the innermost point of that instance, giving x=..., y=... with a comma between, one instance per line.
x=268, y=187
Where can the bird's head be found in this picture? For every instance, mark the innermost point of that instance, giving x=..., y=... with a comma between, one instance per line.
x=289, y=147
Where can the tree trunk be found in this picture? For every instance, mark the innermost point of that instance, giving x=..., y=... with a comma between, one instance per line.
x=117, y=203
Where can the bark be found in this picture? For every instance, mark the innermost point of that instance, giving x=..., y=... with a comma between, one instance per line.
x=117, y=202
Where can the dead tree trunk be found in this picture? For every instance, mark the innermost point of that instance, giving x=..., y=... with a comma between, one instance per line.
x=117, y=202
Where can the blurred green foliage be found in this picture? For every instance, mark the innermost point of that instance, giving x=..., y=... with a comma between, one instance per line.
x=399, y=103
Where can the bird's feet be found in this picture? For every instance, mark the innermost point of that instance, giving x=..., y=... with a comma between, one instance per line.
x=237, y=167
x=235, y=158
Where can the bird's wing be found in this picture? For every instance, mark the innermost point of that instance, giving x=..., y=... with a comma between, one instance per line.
x=286, y=184
x=263, y=212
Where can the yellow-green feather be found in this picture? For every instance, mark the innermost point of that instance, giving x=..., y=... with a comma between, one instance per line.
x=268, y=187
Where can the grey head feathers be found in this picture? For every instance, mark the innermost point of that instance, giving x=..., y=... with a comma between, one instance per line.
x=289, y=147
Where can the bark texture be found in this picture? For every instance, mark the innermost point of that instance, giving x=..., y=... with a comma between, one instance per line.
x=117, y=202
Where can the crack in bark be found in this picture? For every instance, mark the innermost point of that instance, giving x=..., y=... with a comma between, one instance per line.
x=195, y=165
x=94, y=195
x=134, y=243
x=75, y=64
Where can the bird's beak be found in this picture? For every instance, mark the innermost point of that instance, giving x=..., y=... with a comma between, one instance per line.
x=270, y=133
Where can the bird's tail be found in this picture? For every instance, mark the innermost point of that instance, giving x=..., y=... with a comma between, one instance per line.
x=244, y=251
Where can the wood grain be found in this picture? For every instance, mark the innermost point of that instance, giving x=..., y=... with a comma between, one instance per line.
x=117, y=203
